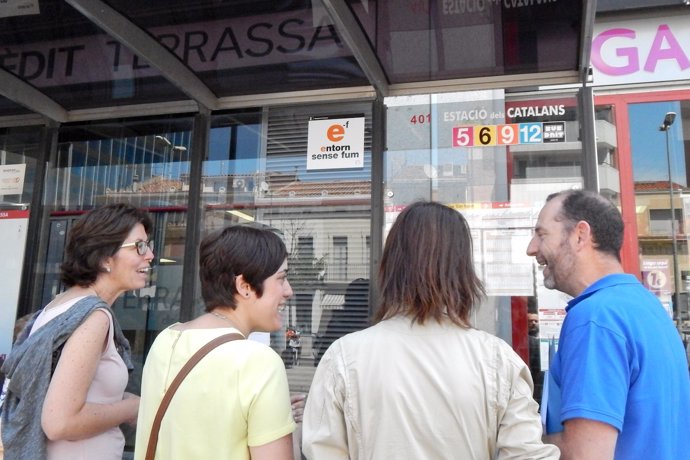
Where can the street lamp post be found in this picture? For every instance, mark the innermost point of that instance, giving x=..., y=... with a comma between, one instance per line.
x=665, y=126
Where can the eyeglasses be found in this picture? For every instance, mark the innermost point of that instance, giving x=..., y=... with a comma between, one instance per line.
x=142, y=246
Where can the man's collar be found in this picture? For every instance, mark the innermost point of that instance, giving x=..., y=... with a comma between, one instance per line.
x=602, y=283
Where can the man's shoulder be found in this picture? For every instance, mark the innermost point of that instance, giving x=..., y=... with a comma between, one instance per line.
x=620, y=286
x=617, y=281
x=618, y=304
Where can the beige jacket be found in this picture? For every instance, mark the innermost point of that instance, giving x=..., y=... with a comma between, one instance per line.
x=403, y=391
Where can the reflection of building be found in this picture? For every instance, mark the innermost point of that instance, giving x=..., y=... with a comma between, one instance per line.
x=560, y=163
x=326, y=227
x=284, y=202
x=408, y=182
x=653, y=209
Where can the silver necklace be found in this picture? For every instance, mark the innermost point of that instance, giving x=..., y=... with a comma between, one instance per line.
x=218, y=315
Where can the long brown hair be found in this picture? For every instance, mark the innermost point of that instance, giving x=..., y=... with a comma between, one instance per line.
x=426, y=270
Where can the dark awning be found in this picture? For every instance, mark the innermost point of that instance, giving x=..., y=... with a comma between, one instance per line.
x=70, y=60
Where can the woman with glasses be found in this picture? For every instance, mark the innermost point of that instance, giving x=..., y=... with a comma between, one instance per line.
x=65, y=397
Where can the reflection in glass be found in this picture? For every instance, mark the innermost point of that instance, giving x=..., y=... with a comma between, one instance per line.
x=18, y=155
x=455, y=39
x=19, y=151
x=62, y=53
x=350, y=314
x=256, y=174
x=144, y=162
x=660, y=174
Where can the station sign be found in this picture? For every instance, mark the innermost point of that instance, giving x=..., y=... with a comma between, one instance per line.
x=509, y=134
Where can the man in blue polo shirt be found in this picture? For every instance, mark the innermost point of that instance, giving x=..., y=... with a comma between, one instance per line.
x=621, y=367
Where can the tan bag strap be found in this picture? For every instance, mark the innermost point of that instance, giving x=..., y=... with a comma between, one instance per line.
x=165, y=402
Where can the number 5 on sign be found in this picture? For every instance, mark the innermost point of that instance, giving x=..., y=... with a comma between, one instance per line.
x=462, y=136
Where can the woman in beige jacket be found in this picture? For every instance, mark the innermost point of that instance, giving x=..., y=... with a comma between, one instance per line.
x=422, y=382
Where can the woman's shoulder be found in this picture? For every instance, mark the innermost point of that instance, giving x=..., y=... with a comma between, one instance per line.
x=256, y=349
x=490, y=339
x=242, y=348
x=484, y=336
x=184, y=343
x=490, y=348
x=198, y=337
x=249, y=356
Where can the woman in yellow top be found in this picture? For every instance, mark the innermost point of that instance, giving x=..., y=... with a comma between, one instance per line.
x=235, y=403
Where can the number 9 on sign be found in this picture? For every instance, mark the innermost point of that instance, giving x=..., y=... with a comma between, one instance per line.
x=508, y=134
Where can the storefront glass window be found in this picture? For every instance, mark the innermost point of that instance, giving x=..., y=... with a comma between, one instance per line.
x=495, y=161
x=143, y=162
x=264, y=169
x=274, y=168
x=19, y=150
x=662, y=204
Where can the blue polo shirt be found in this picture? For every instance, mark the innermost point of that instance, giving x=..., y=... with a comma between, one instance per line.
x=621, y=361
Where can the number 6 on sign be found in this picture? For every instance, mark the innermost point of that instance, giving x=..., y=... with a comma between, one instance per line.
x=485, y=135
x=462, y=136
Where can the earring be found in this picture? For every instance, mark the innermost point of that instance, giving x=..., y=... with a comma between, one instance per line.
x=107, y=269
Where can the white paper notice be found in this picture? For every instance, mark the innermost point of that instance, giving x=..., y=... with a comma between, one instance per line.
x=10, y=8
x=507, y=268
x=12, y=179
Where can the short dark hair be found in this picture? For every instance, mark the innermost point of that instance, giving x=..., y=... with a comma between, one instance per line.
x=255, y=253
x=427, y=270
x=96, y=236
x=600, y=213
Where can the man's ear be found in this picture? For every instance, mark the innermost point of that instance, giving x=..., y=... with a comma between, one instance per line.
x=583, y=234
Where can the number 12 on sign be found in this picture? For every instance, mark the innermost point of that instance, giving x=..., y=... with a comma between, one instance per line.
x=488, y=135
